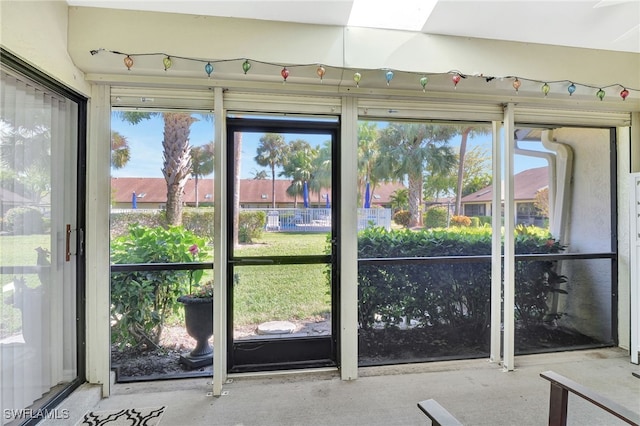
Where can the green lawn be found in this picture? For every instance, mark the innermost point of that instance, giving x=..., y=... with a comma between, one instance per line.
x=281, y=292
x=18, y=250
x=262, y=293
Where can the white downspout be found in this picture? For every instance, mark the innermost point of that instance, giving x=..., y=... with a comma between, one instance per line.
x=564, y=172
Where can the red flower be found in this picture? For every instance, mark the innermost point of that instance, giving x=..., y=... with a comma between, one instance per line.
x=194, y=250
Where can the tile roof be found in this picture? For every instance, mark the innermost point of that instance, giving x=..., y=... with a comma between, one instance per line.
x=526, y=184
x=154, y=190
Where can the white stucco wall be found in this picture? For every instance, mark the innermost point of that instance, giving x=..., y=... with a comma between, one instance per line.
x=588, y=302
x=36, y=31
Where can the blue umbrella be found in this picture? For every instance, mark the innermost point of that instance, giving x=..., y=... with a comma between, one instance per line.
x=305, y=194
x=328, y=203
x=367, y=197
x=134, y=201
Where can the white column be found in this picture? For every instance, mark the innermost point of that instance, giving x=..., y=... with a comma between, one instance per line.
x=634, y=248
x=496, y=246
x=509, y=241
x=219, y=247
x=349, y=240
x=98, y=276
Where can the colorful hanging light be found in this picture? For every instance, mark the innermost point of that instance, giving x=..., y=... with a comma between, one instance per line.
x=516, y=84
x=571, y=89
x=624, y=94
x=167, y=63
x=321, y=71
x=388, y=76
x=285, y=74
x=246, y=66
x=128, y=62
x=546, y=89
x=456, y=79
x=600, y=94
x=423, y=82
x=208, y=69
x=357, y=77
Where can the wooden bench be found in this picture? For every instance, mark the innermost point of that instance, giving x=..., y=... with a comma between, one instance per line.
x=437, y=413
x=559, y=397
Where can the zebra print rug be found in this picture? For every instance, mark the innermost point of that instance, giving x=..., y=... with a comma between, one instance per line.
x=124, y=417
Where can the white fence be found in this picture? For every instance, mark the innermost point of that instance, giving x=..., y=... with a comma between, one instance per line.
x=309, y=220
x=319, y=219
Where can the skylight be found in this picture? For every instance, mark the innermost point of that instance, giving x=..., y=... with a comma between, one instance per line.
x=408, y=15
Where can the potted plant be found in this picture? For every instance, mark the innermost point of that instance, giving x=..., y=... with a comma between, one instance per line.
x=198, y=316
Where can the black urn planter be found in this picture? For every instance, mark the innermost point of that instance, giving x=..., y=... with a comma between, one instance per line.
x=198, y=315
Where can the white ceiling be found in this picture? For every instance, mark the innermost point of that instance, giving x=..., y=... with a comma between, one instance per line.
x=606, y=24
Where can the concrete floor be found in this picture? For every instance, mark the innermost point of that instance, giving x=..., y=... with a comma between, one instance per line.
x=476, y=392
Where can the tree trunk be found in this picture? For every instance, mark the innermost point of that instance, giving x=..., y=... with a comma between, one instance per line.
x=196, y=191
x=177, y=162
x=237, y=153
x=463, y=152
x=273, y=186
x=415, y=200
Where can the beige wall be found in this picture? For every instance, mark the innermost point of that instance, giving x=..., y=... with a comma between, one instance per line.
x=36, y=31
x=350, y=49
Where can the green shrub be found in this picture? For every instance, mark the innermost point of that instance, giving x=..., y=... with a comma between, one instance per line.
x=485, y=220
x=445, y=293
x=199, y=220
x=475, y=222
x=24, y=221
x=120, y=222
x=436, y=217
x=402, y=217
x=251, y=225
x=141, y=300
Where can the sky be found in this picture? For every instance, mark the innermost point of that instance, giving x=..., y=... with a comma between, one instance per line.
x=145, y=142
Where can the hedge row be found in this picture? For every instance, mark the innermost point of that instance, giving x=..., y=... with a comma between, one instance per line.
x=449, y=294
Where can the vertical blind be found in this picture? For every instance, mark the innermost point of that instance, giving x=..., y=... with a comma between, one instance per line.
x=37, y=336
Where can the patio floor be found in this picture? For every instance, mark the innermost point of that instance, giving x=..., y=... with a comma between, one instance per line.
x=476, y=392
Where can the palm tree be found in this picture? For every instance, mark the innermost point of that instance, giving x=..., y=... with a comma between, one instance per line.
x=176, y=153
x=367, y=158
x=298, y=167
x=259, y=174
x=201, y=164
x=120, y=152
x=321, y=169
x=399, y=199
x=407, y=150
x=177, y=161
x=271, y=153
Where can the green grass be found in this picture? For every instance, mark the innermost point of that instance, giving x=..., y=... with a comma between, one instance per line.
x=281, y=292
x=17, y=250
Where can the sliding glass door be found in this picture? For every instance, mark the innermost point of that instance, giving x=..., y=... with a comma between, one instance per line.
x=41, y=249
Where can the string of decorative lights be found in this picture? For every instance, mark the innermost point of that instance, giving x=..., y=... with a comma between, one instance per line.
x=423, y=80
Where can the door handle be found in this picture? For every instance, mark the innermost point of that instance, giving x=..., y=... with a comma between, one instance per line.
x=80, y=249
x=68, y=244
